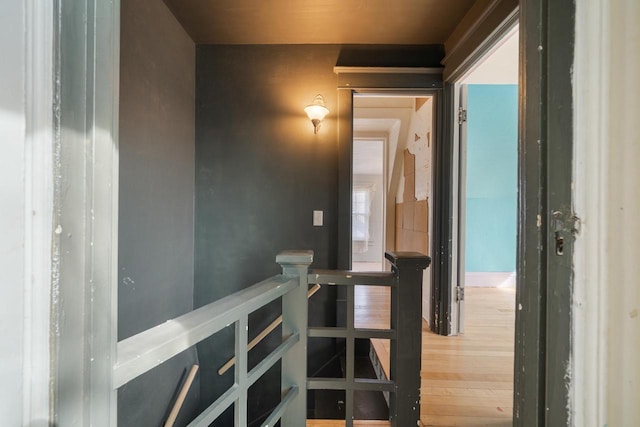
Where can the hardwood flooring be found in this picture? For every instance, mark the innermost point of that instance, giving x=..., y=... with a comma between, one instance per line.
x=467, y=380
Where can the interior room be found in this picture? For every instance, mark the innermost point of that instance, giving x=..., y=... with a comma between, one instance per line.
x=325, y=214
x=213, y=149
x=469, y=375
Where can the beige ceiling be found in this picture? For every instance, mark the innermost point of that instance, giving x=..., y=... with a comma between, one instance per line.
x=319, y=21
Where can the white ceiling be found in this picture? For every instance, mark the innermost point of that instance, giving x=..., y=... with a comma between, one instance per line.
x=500, y=66
x=370, y=126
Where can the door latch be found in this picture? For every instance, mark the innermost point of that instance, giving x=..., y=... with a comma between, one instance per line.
x=565, y=224
x=559, y=244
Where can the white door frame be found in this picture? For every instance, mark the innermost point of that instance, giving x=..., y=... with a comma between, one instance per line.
x=459, y=166
x=459, y=210
x=605, y=374
x=85, y=211
x=38, y=174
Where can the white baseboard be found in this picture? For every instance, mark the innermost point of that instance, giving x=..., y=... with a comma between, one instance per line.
x=490, y=279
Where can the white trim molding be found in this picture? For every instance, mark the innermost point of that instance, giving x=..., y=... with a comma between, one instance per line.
x=606, y=305
x=387, y=70
x=84, y=244
x=38, y=211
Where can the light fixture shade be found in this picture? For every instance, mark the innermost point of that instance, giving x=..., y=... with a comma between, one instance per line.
x=316, y=111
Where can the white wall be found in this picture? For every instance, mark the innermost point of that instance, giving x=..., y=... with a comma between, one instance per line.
x=26, y=191
x=606, y=310
x=12, y=204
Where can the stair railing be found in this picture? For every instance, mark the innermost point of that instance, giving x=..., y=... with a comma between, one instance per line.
x=148, y=349
x=405, y=334
x=144, y=351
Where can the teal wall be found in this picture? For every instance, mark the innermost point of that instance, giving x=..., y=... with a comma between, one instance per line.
x=492, y=149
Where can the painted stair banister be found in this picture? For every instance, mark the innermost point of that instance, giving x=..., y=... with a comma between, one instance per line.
x=144, y=351
x=406, y=349
x=295, y=264
x=405, y=334
x=263, y=334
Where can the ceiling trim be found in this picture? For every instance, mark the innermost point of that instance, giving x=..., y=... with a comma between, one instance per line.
x=387, y=70
x=469, y=28
x=490, y=28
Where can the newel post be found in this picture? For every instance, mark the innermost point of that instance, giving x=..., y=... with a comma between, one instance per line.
x=294, y=319
x=406, y=348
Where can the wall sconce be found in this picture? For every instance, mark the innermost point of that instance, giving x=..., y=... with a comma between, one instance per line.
x=316, y=112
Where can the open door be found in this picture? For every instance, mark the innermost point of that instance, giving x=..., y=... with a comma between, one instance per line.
x=457, y=291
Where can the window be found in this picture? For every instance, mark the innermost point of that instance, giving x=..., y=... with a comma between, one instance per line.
x=360, y=212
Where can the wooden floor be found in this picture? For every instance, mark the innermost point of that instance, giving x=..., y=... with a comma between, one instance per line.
x=466, y=380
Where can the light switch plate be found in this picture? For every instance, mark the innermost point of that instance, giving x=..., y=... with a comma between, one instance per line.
x=317, y=218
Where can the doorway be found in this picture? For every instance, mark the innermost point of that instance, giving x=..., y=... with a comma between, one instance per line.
x=392, y=179
x=469, y=376
x=543, y=385
x=485, y=212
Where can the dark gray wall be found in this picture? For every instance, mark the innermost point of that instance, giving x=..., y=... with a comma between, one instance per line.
x=260, y=172
x=156, y=218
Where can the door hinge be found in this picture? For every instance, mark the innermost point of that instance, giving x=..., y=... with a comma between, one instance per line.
x=459, y=294
x=462, y=115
